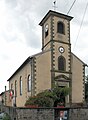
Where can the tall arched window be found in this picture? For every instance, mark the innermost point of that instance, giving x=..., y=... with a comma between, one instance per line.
x=46, y=30
x=61, y=63
x=16, y=88
x=29, y=83
x=12, y=86
x=20, y=85
x=60, y=27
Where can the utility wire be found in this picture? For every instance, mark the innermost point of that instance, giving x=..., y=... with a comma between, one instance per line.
x=81, y=25
x=68, y=10
x=71, y=7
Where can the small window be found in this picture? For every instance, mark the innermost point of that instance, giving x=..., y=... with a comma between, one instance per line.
x=29, y=83
x=61, y=63
x=46, y=30
x=20, y=85
x=60, y=27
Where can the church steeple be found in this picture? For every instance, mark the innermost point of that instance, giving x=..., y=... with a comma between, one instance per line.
x=53, y=25
x=56, y=36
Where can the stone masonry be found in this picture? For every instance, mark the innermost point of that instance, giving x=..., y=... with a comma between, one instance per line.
x=80, y=113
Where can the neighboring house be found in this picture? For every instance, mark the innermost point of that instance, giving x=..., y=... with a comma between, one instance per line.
x=56, y=64
x=5, y=98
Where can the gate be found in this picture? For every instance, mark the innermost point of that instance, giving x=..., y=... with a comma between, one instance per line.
x=61, y=114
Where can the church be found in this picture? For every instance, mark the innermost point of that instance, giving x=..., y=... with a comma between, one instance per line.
x=55, y=65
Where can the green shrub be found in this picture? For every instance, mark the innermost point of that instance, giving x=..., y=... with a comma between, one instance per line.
x=49, y=98
x=40, y=101
x=6, y=117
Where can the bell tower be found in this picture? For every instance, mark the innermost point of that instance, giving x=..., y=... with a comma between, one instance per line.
x=55, y=26
x=56, y=37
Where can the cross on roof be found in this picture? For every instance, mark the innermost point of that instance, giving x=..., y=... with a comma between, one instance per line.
x=54, y=6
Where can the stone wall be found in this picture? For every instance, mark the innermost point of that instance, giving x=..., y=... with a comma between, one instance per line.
x=28, y=113
x=35, y=114
x=80, y=113
x=9, y=110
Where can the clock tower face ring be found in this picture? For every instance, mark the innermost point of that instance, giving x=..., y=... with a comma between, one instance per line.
x=61, y=49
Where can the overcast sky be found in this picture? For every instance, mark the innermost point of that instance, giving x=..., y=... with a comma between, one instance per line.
x=20, y=34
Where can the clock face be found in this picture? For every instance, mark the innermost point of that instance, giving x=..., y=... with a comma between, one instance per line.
x=61, y=49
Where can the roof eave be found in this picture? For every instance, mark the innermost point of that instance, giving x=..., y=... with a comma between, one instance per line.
x=56, y=14
x=80, y=60
x=25, y=62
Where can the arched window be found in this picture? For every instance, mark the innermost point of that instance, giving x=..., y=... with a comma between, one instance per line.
x=60, y=27
x=12, y=86
x=61, y=63
x=29, y=83
x=46, y=30
x=20, y=85
x=16, y=88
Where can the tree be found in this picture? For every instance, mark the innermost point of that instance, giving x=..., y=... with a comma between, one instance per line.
x=49, y=98
x=61, y=93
